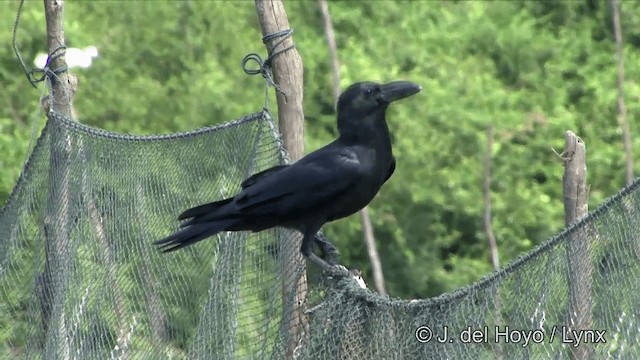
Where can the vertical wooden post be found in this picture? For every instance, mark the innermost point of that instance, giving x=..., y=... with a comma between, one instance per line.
x=287, y=73
x=580, y=268
x=57, y=214
x=64, y=88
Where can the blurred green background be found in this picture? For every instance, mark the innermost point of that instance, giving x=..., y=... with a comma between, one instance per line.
x=530, y=69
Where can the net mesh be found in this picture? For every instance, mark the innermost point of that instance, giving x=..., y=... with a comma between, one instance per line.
x=575, y=296
x=80, y=278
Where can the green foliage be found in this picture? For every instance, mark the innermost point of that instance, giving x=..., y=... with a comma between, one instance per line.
x=14, y=141
x=532, y=70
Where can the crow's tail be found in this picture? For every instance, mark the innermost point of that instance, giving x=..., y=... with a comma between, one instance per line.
x=206, y=212
x=192, y=234
x=204, y=221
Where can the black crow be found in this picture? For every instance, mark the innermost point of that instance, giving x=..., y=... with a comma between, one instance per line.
x=327, y=184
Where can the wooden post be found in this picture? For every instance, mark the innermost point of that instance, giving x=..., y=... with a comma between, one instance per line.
x=287, y=73
x=64, y=88
x=580, y=268
x=574, y=179
x=57, y=213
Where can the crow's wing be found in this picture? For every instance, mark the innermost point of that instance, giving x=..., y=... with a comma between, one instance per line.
x=208, y=210
x=261, y=175
x=316, y=180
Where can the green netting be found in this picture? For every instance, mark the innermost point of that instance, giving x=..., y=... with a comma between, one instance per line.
x=80, y=278
x=586, y=278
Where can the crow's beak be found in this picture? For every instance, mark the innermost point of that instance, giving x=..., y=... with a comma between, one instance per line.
x=397, y=90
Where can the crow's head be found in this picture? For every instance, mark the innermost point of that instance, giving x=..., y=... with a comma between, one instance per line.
x=365, y=98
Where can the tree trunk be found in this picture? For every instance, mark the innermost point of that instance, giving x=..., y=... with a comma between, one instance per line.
x=622, y=110
x=367, y=228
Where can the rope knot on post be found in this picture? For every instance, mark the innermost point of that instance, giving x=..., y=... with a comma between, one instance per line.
x=264, y=67
x=46, y=71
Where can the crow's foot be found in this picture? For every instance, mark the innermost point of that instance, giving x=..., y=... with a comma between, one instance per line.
x=329, y=252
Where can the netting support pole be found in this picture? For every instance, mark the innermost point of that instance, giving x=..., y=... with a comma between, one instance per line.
x=57, y=215
x=287, y=73
x=575, y=193
x=64, y=88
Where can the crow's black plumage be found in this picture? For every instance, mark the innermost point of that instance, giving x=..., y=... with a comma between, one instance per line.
x=327, y=184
